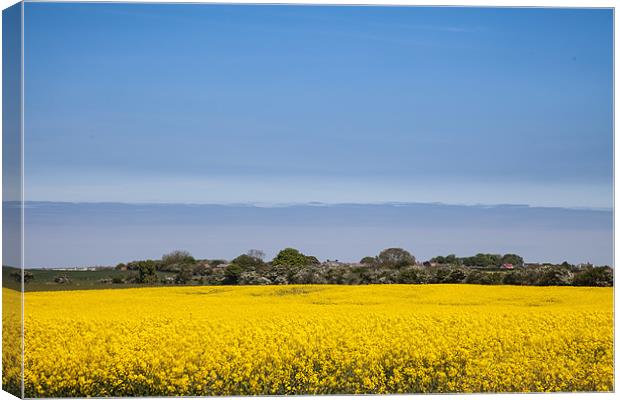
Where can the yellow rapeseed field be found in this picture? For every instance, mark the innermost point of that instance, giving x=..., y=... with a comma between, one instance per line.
x=316, y=339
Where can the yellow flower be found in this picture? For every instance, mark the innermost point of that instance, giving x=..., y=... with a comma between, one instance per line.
x=311, y=340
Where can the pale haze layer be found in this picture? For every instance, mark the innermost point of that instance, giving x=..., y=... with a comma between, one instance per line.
x=64, y=234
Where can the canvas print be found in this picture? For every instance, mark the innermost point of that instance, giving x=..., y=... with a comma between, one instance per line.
x=233, y=199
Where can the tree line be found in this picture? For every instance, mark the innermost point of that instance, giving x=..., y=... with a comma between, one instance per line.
x=390, y=266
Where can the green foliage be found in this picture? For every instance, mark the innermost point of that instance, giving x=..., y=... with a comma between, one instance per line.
x=368, y=260
x=201, y=268
x=484, y=278
x=216, y=262
x=28, y=276
x=290, y=266
x=513, y=259
x=455, y=276
x=312, y=260
x=62, y=279
x=450, y=259
x=480, y=260
x=594, y=276
x=294, y=258
x=483, y=260
x=248, y=263
x=175, y=260
x=411, y=275
x=232, y=273
x=440, y=275
x=146, y=271
x=17, y=276
x=184, y=275
x=395, y=258
x=555, y=276
x=514, y=278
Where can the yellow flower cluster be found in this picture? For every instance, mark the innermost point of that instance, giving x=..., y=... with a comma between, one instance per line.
x=11, y=341
x=318, y=340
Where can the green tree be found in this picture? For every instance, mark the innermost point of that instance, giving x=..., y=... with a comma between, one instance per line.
x=146, y=271
x=249, y=263
x=232, y=273
x=291, y=257
x=483, y=260
x=452, y=260
x=395, y=258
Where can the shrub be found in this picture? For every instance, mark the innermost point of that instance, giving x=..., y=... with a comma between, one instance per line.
x=17, y=276
x=594, y=276
x=308, y=275
x=62, y=279
x=215, y=263
x=455, y=276
x=440, y=275
x=483, y=278
x=252, y=278
x=514, y=278
x=184, y=275
x=555, y=276
x=413, y=275
x=248, y=263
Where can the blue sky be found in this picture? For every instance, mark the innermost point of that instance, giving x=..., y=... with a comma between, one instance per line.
x=276, y=104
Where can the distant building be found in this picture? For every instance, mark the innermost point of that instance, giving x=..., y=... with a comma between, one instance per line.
x=508, y=266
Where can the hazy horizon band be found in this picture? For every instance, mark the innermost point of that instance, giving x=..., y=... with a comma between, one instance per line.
x=82, y=234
